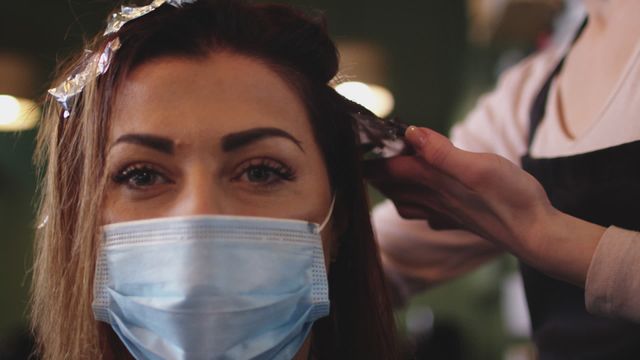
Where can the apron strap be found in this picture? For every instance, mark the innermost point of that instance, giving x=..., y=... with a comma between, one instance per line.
x=540, y=102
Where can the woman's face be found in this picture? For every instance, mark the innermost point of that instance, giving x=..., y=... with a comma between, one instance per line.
x=218, y=135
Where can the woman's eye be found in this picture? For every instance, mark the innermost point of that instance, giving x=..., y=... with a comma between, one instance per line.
x=260, y=174
x=140, y=177
x=265, y=172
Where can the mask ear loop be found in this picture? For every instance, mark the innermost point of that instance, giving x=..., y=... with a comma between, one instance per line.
x=326, y=220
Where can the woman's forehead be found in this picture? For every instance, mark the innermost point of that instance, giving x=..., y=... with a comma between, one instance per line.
x=221, y=93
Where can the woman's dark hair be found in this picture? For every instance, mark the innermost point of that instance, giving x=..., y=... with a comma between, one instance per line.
x=297, y=47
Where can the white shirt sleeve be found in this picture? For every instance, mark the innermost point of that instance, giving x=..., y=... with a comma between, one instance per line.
x=613, y=280
x=415, y=256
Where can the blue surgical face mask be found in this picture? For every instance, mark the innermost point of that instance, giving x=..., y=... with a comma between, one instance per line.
x=211, y=287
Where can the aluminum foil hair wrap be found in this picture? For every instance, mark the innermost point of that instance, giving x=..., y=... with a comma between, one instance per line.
x=128, y=13
x=378, y=138
x=94, y=65
x=381, y=138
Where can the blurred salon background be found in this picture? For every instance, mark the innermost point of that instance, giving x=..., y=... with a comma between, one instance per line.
x=426, y=62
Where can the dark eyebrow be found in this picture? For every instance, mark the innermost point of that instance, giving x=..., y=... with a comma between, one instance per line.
x=155, y=142
x=237, y=140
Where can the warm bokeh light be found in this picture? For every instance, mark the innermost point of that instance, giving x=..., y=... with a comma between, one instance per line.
x=17, y=114
x=375, y=98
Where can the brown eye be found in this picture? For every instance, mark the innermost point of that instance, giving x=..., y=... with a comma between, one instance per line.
x=140, y=177
x=143, y=178
x=265, y=172
x=260, y=174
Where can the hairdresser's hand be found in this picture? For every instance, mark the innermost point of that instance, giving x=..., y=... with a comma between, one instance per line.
x=482, y=193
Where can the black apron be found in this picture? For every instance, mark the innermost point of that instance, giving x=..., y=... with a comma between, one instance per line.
x=602, y=187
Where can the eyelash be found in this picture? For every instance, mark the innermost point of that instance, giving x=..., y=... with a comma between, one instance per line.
x=127, y=174
x=277, y=168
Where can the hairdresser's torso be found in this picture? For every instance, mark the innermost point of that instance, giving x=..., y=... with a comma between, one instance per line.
x=585, y=145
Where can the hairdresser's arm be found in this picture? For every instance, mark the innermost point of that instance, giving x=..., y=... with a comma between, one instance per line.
x=606, y=264
x=501, y=203
x=493, y=198
x=414, y=254
x=498, y=201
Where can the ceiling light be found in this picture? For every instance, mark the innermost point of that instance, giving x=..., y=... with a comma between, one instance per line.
x=376, y=98
x=17, y=114
x=363, y=76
